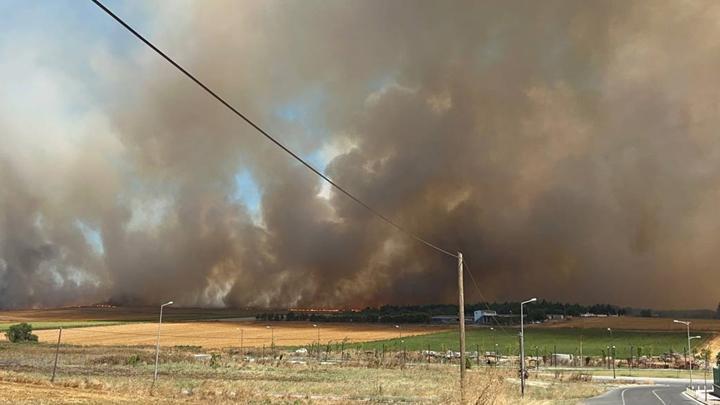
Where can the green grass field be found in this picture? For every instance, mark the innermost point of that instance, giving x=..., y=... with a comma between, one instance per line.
x=546, y=341
x=58, y=324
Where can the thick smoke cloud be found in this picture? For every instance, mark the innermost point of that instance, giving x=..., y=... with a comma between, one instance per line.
x=568, y=149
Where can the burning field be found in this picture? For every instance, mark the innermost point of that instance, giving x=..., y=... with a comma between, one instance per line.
x=230, y=334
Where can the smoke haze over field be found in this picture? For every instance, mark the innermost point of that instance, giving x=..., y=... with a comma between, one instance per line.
x=569, y=149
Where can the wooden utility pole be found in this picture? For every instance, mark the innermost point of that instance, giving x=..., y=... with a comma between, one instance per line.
x=461, y=316
x=57, y=352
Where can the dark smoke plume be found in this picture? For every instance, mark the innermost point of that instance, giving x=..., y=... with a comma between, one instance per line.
x=568, y=149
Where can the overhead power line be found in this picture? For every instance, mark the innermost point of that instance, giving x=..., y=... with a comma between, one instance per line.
x=482, y=296
x=266, y=134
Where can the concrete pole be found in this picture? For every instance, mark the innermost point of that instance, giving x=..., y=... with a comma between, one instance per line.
x=522, y=353
x=57, y=352
x=316, y=326
x=705, y=388
x=611, y=351
x=689, y=353
x=687, y=325
x=157, y=345
x=522, y=345
x=461, y=316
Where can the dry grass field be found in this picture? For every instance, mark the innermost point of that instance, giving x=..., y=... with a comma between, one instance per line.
x=634, y=323
x=227, y=334
x=107, y=374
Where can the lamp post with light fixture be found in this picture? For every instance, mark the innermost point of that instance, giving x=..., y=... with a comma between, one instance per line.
x=522, y=346
x=687, y=326
x=318, y=340
x=272, y=339
x=157, y=344
x=611, y=352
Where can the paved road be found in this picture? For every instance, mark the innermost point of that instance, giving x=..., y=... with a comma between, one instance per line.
x=644, y=395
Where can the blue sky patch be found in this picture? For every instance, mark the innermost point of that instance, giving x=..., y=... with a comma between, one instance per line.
x=247, y=192
x=92, y=235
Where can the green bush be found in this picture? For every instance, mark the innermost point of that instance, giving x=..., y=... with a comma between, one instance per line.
x=133, y=360
x=21, y=332
x=215, y=360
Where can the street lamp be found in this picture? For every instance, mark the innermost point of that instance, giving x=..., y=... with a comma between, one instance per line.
x=272, y=338
x=687, y=325
x=522, y=346
x=318, y=340
x=242, y=337
x=241, y=341
x=400, y=343
x=611, y=352
x=495, y=344
x=691, y=355
x=157, y=345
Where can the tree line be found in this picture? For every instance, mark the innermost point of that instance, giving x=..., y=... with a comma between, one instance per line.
x=537, y=311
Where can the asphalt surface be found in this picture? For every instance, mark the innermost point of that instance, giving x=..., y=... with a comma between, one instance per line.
x=644, y=395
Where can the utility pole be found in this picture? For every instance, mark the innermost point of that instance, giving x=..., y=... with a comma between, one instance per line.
x=461, y=316
x=57, y=351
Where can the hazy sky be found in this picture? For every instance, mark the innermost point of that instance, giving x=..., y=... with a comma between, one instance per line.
x=568, y=149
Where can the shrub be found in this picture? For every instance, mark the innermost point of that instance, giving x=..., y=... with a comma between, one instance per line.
x=21, y=332
x=215, y=360
x=133, y=360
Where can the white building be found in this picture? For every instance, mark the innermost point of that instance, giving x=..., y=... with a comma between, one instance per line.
x=483, y=316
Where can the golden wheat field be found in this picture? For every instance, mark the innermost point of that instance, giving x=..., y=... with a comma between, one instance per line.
x=230, y=334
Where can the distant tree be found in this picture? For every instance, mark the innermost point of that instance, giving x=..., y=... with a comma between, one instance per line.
x=717, y=311
x=21, y=332
x=646, y=313
x=538, y=315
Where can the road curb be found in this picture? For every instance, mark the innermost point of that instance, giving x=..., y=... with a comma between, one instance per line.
x=692, y=398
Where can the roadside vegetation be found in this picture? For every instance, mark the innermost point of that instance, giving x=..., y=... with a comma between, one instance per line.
x=124, y=374
x=19, y=333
